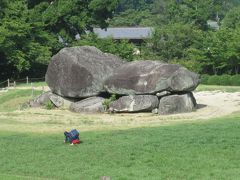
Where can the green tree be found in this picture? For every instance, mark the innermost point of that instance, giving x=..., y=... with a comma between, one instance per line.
x=222, y=51
x=133, y=18
x=194, y=12
x=171, y=41
x=122, y=48
x=68, y=18
x=194, y=59
x=133, y=13
x=232, y=19
x=17, y=40
x=125, y=5
x=30, y=30
x=185, y=11
x=232, y=53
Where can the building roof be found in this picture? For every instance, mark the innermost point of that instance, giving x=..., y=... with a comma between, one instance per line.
x=213, y=24
x=124, y=32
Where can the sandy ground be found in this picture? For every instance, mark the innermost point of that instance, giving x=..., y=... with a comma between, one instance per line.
x=216, y=103
x=210, y=105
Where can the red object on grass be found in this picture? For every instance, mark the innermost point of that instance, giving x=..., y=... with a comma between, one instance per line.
x=76, y=141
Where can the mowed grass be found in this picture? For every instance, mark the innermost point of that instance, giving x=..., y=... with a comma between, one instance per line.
x=13, y=99
x=203, y=150
x=202, y=87
x=199, y=150
x=34, y=84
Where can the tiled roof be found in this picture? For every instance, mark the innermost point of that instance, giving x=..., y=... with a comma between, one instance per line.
x=124, y=32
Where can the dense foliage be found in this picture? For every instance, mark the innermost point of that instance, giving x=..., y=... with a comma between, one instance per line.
x=122, y=48
x=183, y=36
x=224, y=80
x=32, y=31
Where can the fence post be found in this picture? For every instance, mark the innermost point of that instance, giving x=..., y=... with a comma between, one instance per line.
x=42, y=89
x=27, y=79
x=8, y=83
x=14, y=84
x=32, y=90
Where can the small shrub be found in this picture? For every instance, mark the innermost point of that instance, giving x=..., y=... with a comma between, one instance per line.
x=49, y=105
x=213, y=80
x=204, y=79
x=224, y=80
x=107, y=102
x=235, y=80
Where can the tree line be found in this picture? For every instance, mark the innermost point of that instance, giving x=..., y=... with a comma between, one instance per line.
x=182, y=34
x=31, y=31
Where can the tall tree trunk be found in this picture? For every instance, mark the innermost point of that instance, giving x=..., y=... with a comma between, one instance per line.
x=236, y=69
x=215, y=70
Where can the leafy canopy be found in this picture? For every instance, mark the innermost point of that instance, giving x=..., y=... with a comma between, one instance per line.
x=30, y=30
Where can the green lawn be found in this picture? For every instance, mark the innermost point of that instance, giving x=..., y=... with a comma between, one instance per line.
x=202, y=87
x=35, y=84
x=13, y=99
x=197, y=150
x=203, y=150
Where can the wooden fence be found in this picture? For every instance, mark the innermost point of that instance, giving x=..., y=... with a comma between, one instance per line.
x=23, y=83
x=14, y=83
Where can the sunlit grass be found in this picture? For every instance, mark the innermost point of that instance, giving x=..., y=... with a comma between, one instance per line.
x=202, y=87
x=34, y=84
x=13, y=99
x=192, y=150
x=204, y=150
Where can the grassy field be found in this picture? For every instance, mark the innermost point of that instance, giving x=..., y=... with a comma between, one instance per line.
x=13, y=99
x=35, y=84
x=193, y=150
x=202, y=87
x=206, y=150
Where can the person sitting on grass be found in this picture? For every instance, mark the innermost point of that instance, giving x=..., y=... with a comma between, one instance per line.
x=72, y=137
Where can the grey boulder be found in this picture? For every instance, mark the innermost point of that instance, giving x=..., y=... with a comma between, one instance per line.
x=137, y=103
x=163, y=93
x=60, y=102
x=43, y=99
x=151, y=77
x=40, y=100
x=92, y=104
x=177, y=104
x=79, y=72
x=155, y=111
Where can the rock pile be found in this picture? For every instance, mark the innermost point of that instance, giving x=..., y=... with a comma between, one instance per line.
x=89, y=77
x=149, y=81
